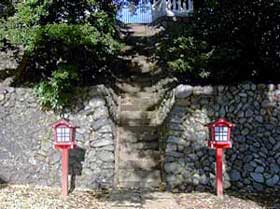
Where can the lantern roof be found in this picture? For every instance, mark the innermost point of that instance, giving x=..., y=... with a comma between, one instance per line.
x=220, y=121
x=63, y=121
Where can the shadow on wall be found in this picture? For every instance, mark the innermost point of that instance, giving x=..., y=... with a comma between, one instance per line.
x=193, y=171
x=76, y=157
x=3, y=183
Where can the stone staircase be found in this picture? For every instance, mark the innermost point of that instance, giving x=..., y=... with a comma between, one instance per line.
x=138, y=148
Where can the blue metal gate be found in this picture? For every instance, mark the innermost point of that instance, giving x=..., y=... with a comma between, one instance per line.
x=129, y=12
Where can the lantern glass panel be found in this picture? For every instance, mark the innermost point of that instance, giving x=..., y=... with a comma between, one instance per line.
x=221, y=133
x=63, y=134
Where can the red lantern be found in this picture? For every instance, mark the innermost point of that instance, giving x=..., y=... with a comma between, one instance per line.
x=219, y=134
x=64, y=134
x=64, y=140
x=219, y=139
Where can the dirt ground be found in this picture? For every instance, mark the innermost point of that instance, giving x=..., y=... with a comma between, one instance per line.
x=31, y=197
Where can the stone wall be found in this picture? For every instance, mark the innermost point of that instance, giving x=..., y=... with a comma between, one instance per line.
x=26, y=148
x=27, y=155
x=253, y=163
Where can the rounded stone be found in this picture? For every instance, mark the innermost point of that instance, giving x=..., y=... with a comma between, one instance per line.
x=272, y=181
x=235, y=175
x=183, y=91
x=106, y=156
x=171, y=167
x=259, y=169
x=2, y=97
x=257, y=177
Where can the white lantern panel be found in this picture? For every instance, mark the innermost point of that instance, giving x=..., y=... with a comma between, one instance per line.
x=63, y=134
x=221, y=133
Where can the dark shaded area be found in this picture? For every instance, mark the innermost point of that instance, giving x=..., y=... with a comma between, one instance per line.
x=76, y=159
x=45, y=59
x=268, y=199
x=14, y=54
x=241, y=38
x=6, y=8
x=3, y=183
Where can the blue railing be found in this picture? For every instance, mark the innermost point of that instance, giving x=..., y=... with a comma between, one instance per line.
x=131, y=13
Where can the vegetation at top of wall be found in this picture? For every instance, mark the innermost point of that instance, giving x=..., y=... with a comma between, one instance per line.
x=227, y=41
x=57, y=92
x=78, y=33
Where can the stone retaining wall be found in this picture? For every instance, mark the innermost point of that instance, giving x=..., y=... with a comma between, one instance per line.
x=254, y=161
x=26, y=148
x=27, y=155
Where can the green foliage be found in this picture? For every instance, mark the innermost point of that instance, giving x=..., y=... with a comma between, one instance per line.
x=185, y=54
x=228, y=41
x=78, y=33
x=57, y=93
x=79, y=23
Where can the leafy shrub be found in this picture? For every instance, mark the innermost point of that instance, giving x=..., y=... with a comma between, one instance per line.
x=57, y=92
x=231, y=41
x=185, y=55
x=77, y=33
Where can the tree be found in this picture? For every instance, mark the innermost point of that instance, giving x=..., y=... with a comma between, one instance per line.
x=240, y=39
x=75, y=34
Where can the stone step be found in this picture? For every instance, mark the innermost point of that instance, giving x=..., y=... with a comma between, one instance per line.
x=142, y=64
x=138, y=115
x=134, y=123
x=142, y=164
x=124, y=199
x=135, y=99
x=145, y=184
x=138, y=134
x=145, y=90
x=137, y=104
x=138, y=107
x=141, y=31
x=135, y=88
x=141, y=154
x=139, y=178
x=145, y=78
x=136, y=146
x=141, y=95
x=134, y=118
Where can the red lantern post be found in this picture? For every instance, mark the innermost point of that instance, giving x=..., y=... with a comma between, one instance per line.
x=64, y=140
x=219, y=132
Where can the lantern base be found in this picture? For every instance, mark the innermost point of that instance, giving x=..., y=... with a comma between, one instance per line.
x=65, y=146
x=214, y=144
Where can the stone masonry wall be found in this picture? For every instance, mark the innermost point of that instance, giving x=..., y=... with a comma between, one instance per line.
x=27, y=155
x=253, y=163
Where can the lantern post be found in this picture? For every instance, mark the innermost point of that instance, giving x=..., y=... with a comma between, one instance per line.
x=64, y=140
x=219, y=139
